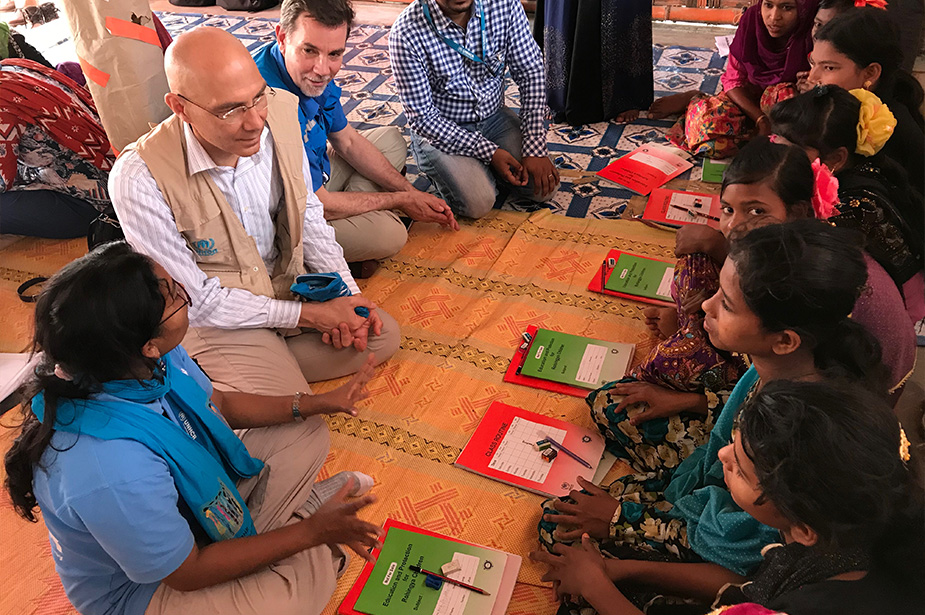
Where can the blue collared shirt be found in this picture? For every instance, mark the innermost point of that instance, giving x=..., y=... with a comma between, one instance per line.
x=441, y=89
x=318, y=115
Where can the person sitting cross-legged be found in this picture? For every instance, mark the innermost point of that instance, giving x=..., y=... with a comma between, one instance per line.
x=355, y=174
x=449, y=59
x=220, y=194
x=153, y=505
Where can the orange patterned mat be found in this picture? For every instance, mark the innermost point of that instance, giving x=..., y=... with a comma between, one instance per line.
x=462, y=300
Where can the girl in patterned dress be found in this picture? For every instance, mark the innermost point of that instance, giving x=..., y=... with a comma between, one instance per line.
x=769, y=49
x=848, y=132
x=785, y=294
x=824, y=465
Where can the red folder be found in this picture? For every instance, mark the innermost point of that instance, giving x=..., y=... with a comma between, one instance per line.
x=538, y=383
x=597, y=283
x=347, y=606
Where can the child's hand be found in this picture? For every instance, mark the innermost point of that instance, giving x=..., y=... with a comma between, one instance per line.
x=691, y=304
x=660, y=402
x=590, y=514
x=695, y=238
x=574, y=571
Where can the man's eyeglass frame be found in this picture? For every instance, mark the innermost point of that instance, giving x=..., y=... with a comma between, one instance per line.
x=259, y=103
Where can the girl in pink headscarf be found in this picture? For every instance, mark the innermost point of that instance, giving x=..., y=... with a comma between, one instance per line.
x=769, y=49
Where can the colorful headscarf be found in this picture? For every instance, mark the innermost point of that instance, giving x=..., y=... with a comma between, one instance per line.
x=753, y=46
x=47, y=102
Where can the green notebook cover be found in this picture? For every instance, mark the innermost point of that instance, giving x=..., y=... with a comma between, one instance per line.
x=640, y=276
x=576, y=360
x=393, y=589
x=713, y=171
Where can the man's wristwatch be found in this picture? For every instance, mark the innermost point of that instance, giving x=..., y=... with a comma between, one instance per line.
x=296, y=406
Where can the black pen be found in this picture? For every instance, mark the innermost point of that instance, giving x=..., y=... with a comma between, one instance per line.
x=420, y=570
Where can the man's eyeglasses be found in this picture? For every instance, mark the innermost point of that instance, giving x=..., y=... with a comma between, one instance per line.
x=237, y=114
x=179, y=292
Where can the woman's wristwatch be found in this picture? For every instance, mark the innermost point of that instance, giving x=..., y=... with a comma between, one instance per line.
x=296, y=407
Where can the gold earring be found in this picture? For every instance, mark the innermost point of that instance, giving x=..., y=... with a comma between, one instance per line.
x=867, y=84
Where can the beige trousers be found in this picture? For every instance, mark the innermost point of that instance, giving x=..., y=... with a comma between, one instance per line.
x=301, y=584
x=263, y=362
x=376, y=234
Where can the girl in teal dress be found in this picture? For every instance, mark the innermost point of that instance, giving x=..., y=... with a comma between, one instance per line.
x=824, y=464
x=786, y=292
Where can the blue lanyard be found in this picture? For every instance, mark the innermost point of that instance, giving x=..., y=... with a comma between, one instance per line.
x=460, y=49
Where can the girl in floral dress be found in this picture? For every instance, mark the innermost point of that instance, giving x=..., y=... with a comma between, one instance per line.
x=769, y=49
x=786, y=291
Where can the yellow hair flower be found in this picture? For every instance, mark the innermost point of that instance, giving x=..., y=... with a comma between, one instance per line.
x=903, y=445
x=875, y=123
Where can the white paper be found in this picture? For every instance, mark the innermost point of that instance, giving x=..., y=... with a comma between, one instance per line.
x=15, y=369
x=592, y=362
x=664, y=287
x=722, y=44
x=453, y=599
x=665, y=167
x=690, y=203
x=516, y=455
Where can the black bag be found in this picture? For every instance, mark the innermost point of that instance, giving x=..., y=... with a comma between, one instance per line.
x=192, y=2
x=104, y=228
x=247, y=5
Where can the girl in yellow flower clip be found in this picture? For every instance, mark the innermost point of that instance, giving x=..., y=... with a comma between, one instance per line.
x=847, y=131
x=860, y=49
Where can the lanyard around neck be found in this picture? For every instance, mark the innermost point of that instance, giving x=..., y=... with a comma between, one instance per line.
x=460, y=49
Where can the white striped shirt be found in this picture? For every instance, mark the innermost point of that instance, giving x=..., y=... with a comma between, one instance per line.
x=254, y=190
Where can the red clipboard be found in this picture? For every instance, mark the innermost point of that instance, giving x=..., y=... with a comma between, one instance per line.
x=349, y=602
x=597, y=282
x=538, y=383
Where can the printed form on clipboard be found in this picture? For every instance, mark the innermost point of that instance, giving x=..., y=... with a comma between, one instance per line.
x=390, y=587
x=678, y=208
x=632, y=276
x=646, y=168
x=502, y=448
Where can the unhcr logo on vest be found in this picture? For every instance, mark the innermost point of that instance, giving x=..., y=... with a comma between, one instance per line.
x=204, y=247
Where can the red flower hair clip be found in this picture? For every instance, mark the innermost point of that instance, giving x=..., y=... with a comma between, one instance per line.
x=877, y=4
x=825, y=191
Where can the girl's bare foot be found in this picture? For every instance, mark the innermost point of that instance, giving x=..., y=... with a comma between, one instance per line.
x=630, y=115
x=670, y=105
x=663, y=321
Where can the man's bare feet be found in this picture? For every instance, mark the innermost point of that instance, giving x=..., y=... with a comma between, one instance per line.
x=670, y=105
x=663, y=321
x=630, y=115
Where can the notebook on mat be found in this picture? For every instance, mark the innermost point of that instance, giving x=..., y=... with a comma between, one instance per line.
x=645, y=168
x=390, y=587
x=636, y=277
x=502, y=449
x=678, y=208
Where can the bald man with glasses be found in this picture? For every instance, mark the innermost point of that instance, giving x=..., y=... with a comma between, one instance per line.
x=220, y=194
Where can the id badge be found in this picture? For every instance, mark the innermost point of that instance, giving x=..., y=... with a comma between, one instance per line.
x=495, y=64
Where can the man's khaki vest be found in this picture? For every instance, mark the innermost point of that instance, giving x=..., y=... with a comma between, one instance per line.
x=207, y=222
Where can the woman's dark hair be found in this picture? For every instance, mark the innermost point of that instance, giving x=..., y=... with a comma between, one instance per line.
x=784, y=167
x=827, y=455
x=839, y=5
x=806, y=276
x=867, y=35
x=825, y=119
x=92, y=319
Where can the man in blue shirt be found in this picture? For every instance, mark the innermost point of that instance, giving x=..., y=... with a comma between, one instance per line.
x=449, y=59
x=355, y=175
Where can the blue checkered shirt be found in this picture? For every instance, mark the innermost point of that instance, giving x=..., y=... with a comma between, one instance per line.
x=440, y=89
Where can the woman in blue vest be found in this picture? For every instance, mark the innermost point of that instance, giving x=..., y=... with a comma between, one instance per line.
x=153, y=504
